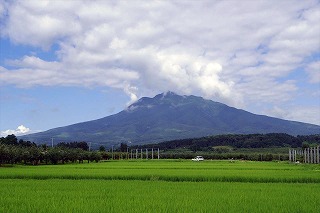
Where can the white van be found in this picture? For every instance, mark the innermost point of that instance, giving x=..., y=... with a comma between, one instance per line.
x=198, y=158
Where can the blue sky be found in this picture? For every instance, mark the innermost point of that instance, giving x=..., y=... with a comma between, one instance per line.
x=72, y=61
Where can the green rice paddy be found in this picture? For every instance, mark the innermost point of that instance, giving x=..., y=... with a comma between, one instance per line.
x=161, y=186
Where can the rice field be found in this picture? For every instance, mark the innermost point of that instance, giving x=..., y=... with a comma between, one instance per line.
x=161, y=186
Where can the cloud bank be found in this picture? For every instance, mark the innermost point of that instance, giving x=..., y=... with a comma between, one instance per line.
x=237, y=52
x=21, y=130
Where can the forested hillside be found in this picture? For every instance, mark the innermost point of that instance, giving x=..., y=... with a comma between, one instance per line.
x=271, y=140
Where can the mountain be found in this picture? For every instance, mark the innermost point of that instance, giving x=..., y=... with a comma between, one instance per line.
x=169, y=116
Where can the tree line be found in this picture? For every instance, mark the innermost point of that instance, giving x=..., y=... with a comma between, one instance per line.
x=270, y=140
x=14, y=151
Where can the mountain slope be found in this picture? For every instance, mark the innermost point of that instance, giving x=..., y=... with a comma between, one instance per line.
x=169, y=116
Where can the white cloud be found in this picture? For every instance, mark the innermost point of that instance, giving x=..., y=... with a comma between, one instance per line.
x=237, y=52
x=307, y=114
x=21, y=130
x=40, y=24
x=313, y=70
x=2, y=10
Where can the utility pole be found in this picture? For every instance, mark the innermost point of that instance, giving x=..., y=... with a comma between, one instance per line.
x=89, y=146
x=127, y=152
x=51, y=142
x=112, y=152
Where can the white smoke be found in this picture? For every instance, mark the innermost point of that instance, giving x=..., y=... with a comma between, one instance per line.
x=131, y=91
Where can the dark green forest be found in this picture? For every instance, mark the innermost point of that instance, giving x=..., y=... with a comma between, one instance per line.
x=271, y=140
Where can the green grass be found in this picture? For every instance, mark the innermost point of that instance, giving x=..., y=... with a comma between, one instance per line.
x=161, y=186
x=218, y=171
x=155, y=196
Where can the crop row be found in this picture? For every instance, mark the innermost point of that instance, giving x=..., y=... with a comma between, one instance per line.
x=155, y=196
x=210, y=171
x=168, y=178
